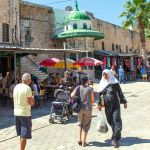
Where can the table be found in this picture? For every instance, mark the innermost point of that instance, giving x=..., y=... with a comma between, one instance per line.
x=49, y=90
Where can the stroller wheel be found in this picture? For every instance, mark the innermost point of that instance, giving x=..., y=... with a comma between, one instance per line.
x=51, y=120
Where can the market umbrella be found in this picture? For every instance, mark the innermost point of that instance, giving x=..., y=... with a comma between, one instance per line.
x=69, y=64
x=88, y=61
x=49, y=62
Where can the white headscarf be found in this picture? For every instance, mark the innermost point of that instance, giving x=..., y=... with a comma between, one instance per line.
x=104, y=83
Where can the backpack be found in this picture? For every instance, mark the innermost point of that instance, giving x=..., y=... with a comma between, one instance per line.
x=76, y=102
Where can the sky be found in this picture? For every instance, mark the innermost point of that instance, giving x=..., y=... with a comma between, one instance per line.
x=107, y=10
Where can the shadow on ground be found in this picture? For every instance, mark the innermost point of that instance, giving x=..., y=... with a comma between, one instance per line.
x=128, y=141
x=7, y=114
x=99, y=144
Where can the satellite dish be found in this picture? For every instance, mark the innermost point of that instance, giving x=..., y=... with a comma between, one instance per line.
x=69, y=8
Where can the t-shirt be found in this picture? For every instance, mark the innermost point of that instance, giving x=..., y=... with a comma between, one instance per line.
x=36, y=89
x=113, y=72
x=143, y=70
x=20, y=95
x=85, y=94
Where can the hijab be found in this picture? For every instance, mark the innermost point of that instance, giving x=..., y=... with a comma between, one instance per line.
x=111, y=79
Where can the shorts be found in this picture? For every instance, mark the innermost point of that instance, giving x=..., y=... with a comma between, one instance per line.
x=84, y=119
x=144, y=75
x=23, y=126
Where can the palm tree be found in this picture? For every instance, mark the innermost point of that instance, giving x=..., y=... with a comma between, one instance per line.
x=137, y=14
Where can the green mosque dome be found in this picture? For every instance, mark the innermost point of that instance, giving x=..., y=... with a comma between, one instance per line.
x=78, y=15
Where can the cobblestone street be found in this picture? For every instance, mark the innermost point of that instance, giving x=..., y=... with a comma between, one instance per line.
x=46, y=136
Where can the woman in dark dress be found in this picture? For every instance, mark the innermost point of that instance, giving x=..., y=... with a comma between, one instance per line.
x=113, y=97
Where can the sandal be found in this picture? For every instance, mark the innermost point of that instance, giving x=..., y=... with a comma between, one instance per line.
x=84, y=144
x=80, y=143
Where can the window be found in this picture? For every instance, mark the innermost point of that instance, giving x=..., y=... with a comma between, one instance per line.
x=84, y=26
x=5, y=32
x=66, y=27
x=126, y=49
x=117, y=46
x=27, y=35
x=75, y=26
x=113, y=48
x=99, y=26
x=103, y=46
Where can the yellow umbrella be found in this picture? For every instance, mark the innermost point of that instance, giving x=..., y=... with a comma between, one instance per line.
x=69, y=64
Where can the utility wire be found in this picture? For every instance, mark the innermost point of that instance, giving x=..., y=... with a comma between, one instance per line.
x=59, y=2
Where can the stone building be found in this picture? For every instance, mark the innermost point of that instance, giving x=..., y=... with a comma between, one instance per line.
x=9, y=33
x=37, y=25
x=116, y=38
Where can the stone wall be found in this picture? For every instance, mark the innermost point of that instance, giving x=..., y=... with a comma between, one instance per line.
x=9, y=14
x=148, y=45
x=123, y=40
x=37, y=26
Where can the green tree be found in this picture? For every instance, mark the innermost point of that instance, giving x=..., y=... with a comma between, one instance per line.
x=137, y=15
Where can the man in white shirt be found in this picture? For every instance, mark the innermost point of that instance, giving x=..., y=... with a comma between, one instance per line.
x=23, y=100
x=113, y=71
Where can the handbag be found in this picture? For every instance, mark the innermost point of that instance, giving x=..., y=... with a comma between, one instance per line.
x=76, y=102
x=101, y=124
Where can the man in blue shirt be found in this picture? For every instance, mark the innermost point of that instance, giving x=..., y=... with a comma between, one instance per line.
x=144, y=73
x=121, y=75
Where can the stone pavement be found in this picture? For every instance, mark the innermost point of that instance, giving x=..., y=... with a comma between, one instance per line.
x=46, y=136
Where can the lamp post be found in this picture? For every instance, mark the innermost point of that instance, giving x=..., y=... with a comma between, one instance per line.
x=65, y=61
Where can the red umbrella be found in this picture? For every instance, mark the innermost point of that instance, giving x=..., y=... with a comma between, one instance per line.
x=88, y=61
x=49, y=62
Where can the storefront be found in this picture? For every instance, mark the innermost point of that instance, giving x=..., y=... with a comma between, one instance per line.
x=130, y=62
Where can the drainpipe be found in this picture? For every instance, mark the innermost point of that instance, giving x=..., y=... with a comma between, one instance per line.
x=15, y=66
x=65, y=62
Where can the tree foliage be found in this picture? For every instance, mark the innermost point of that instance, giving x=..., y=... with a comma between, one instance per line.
x=137, y=16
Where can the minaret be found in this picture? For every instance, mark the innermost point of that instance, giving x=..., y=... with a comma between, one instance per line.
x=76, y=5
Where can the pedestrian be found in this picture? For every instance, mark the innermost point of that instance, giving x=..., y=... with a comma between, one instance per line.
x=23, y=100
x=144, y=73
x=5, y=83
x=36, y=90
x=85, y=113
x=113, y=97
x=11, y=89
x=113, y=71
x=121, y=75
x=80, y=74
x=57, y=78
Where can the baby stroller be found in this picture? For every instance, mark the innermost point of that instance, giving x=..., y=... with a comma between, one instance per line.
x=59, y=108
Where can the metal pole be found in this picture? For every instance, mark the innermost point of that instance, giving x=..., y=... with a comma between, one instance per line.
x=15, y=66
x=65, y=61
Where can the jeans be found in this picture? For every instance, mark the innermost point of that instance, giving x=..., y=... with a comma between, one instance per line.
x=121, y=79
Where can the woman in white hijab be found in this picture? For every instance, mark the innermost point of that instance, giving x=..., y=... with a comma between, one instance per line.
x=113, y=97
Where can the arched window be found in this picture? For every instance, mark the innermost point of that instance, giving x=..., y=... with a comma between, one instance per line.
x=66, y=27
x=75, y=26
x=84, y=26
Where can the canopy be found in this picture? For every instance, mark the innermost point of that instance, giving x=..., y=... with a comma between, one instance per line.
x=49, y=62
x=69, y=64
x=88, y=61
